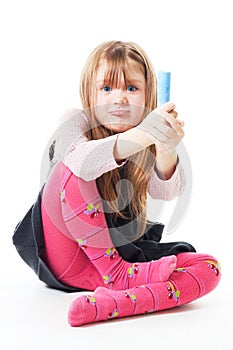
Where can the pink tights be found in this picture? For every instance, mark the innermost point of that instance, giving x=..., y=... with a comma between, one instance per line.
x=196, y=276
x=80, y=253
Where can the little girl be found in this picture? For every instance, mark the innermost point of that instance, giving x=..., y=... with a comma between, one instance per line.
x=105, y=159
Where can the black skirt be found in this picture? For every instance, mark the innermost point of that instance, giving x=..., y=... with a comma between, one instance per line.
x=28, y=239
x=146, y=248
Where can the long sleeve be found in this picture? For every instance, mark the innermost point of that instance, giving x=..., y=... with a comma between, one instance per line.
x=167, y=189
x=86, y=159
x=90, y=159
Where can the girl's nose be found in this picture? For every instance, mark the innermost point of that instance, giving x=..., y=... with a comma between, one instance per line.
x=120, y=97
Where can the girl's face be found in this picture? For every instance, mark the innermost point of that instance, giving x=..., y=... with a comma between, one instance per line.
x=120, y=107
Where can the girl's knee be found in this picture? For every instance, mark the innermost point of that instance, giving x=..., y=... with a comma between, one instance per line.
x=190, y=259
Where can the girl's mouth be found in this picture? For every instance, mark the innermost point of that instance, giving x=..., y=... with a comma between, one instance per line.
x=119, y=112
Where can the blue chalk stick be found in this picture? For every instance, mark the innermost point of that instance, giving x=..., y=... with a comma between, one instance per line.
x=163, y=87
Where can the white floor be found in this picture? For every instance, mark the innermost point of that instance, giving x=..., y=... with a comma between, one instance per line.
x=33, y=316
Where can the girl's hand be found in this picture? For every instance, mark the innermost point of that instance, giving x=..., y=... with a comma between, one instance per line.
x=164, y=127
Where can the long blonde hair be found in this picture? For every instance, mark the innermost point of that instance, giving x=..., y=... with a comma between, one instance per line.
x=138, y=167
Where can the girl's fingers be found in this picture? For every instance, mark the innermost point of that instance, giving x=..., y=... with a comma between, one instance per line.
x=174, y=114
x=176, y=124
x=160, y=135
x=181, y=122
x=162, y=113
x=167, y=128
x=167, y=107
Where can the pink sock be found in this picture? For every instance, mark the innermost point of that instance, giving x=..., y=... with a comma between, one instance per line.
x=195, y=277
x=85, y=220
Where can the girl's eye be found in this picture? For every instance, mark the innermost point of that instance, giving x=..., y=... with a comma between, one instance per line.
x=131, y=88
x=106, y=88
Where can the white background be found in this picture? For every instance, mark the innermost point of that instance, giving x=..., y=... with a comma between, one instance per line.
x=44, y=45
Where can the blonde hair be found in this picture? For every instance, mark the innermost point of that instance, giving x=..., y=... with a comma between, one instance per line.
x=138, y=167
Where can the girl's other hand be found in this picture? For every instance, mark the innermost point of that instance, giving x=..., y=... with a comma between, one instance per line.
x=164, y=127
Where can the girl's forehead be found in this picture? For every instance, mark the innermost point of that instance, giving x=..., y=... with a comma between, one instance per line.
x=130, y=70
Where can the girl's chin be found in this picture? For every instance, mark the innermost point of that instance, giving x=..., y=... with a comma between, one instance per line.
x=118, y=128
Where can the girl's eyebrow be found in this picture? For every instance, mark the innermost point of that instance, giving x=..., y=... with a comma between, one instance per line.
x=103, y=81
x=134, y=80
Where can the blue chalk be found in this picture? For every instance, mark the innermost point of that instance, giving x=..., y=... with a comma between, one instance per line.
x=163, y=87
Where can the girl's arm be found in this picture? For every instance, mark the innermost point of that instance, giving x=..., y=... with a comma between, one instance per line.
x=167, y=189
x=136, y=140
x=165, y=165
x=130, y=142
x=86, y=159
x=167, y=180
x=90, y=159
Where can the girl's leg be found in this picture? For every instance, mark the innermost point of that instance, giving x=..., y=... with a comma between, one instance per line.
x=196, y=275
x=66, y=259
x=84, y=219
x=79, y=250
